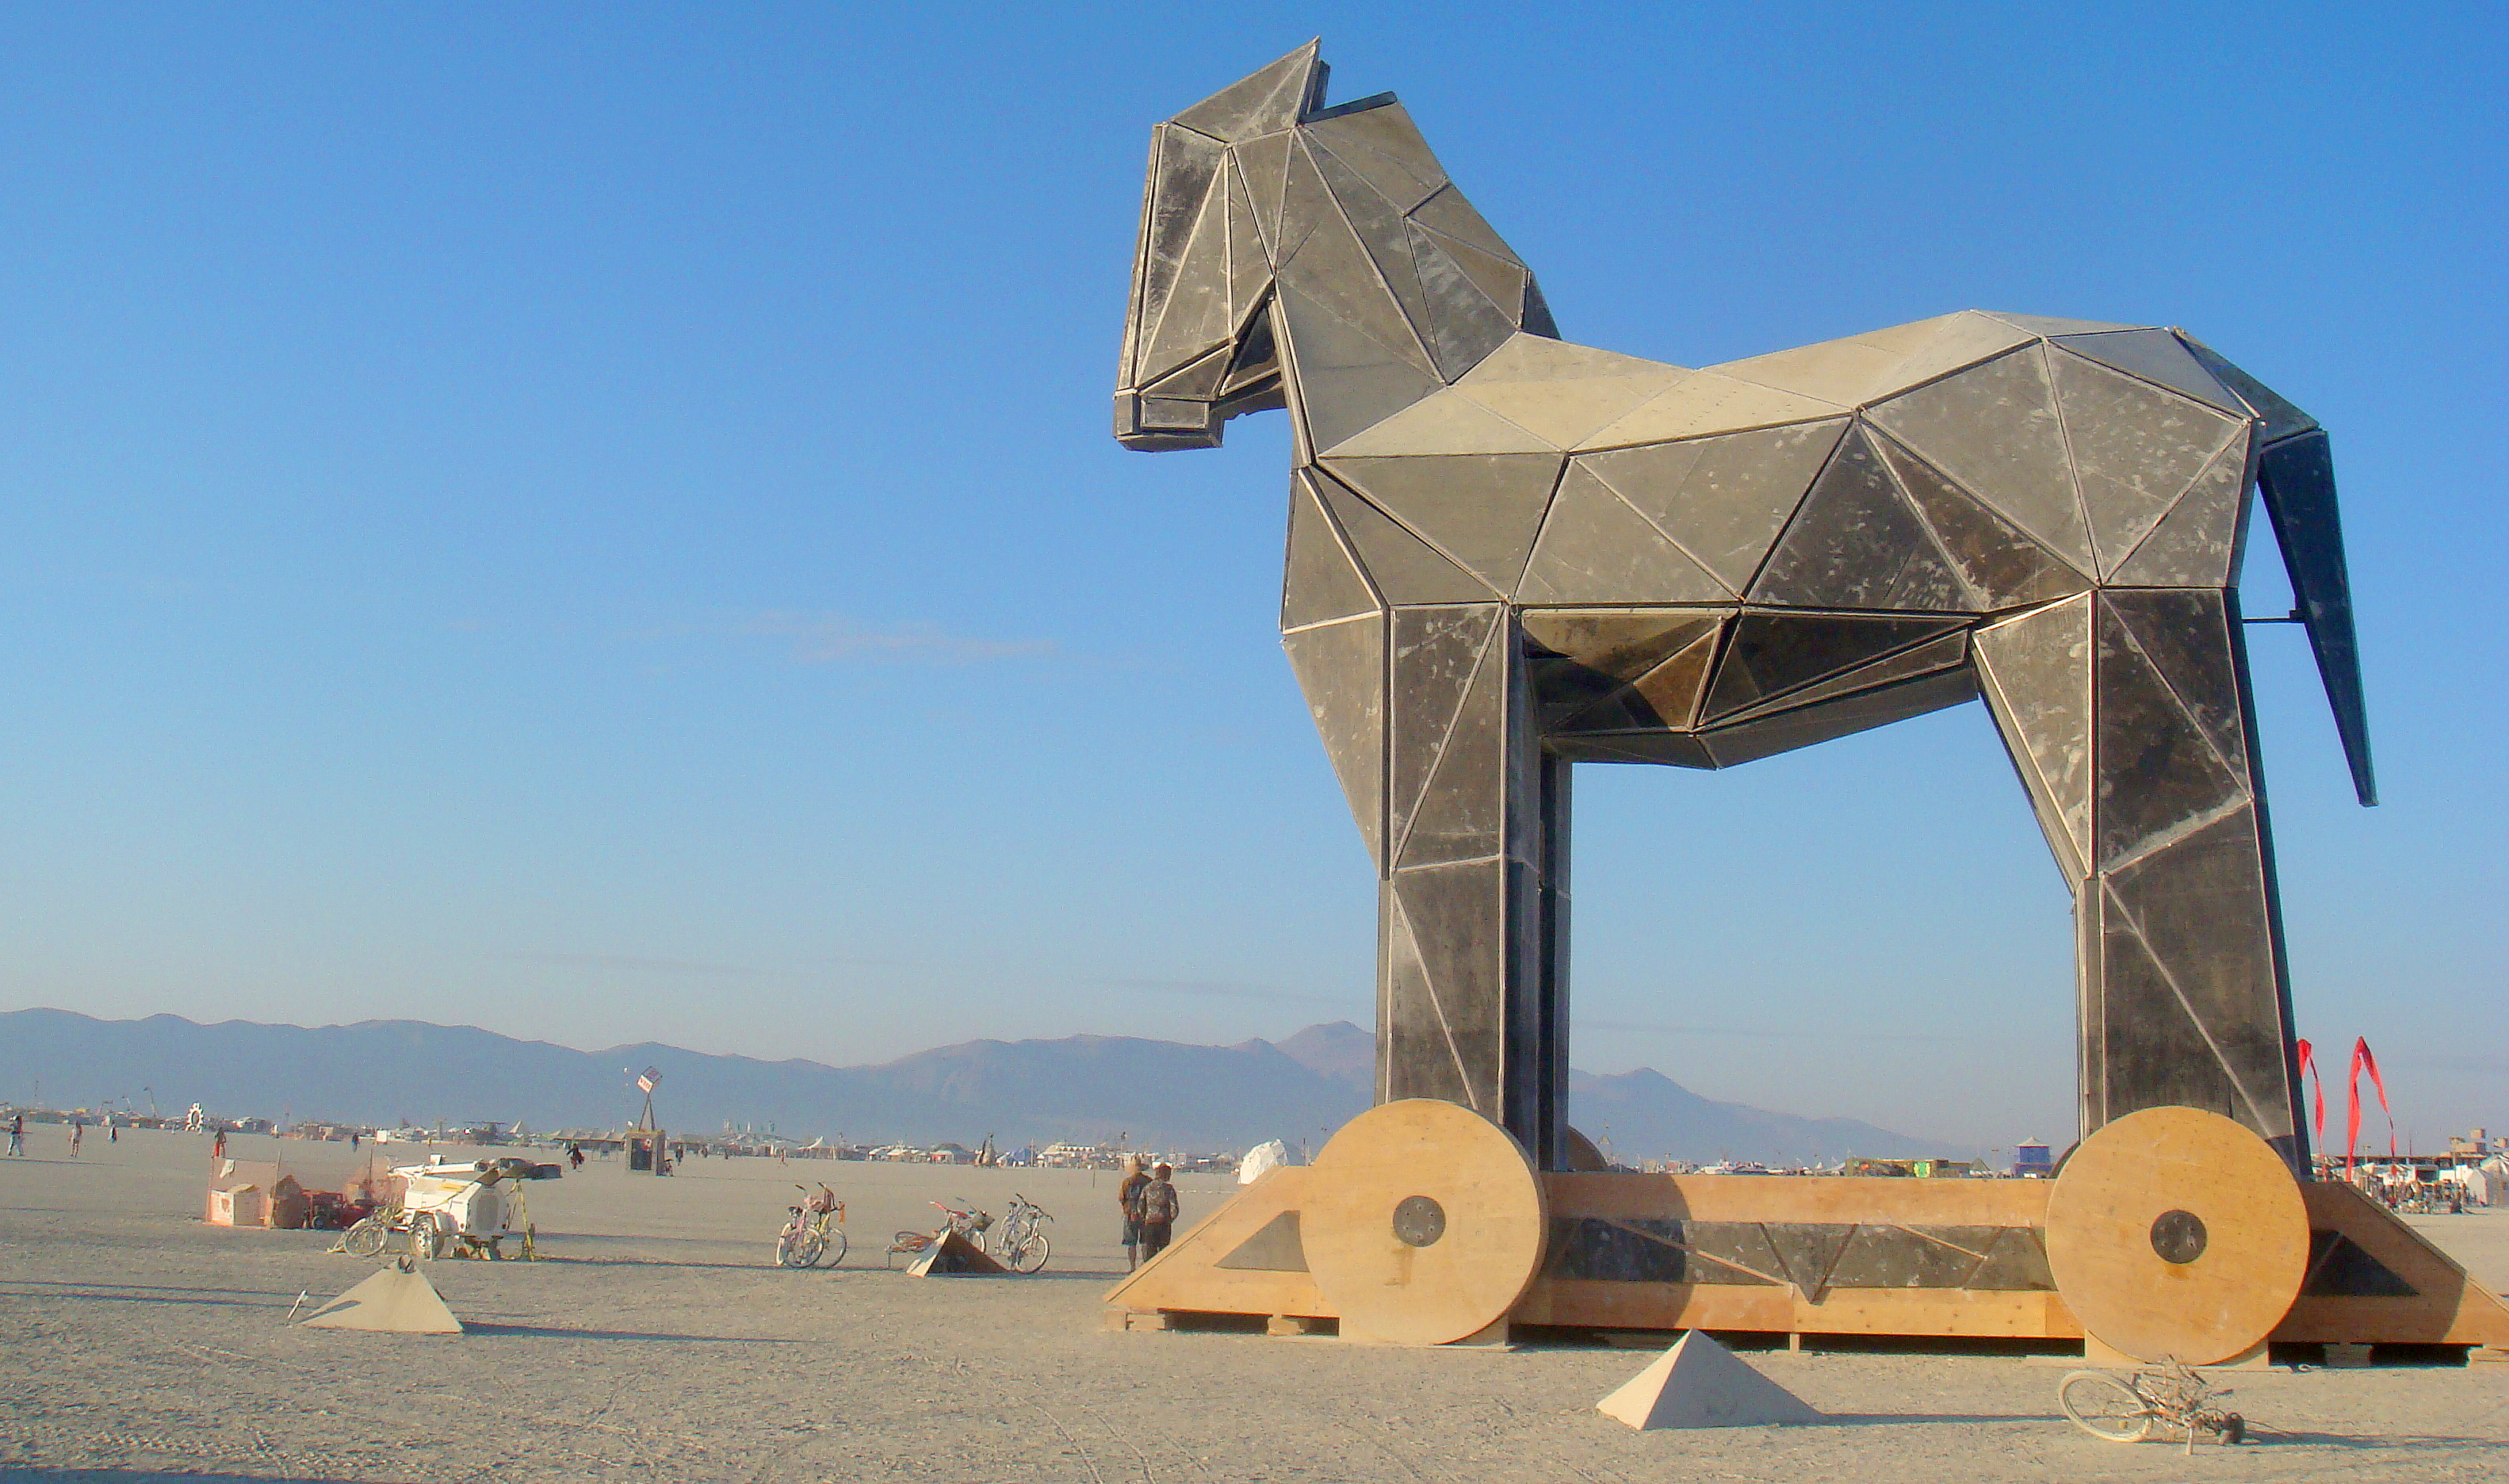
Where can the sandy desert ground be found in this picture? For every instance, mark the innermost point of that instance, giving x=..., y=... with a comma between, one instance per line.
x=138, y=1342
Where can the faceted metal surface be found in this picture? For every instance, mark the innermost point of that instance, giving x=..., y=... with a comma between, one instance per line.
x=1508, y=554
x=2136, y=449
x=1723, y=499
x=1994, y=431
x=2157, y=356
x=1854, y=542
x=1594, y=548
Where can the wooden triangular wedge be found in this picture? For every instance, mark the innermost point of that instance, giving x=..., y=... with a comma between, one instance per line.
x=398, y=1300
x=951, y=1255
x=1701, y=1384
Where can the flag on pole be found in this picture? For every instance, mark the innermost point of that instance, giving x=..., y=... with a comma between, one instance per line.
x=645, y=1083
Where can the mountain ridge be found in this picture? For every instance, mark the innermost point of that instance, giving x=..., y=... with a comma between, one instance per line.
x=1082, y=1087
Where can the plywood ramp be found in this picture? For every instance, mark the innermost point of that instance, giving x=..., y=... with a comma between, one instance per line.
x=2374, y=1279
x=1244, y=1258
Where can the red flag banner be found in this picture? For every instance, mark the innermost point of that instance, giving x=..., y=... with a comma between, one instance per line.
x=2362, y=1060
x=2318, y=1089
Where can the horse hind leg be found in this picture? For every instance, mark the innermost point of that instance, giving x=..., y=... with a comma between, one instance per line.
x=2126, y=713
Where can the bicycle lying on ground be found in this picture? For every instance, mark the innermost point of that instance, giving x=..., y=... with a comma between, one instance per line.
x=1018, y=1241
x=816, y=1232
x=963, y=1219
x=2123, y=1409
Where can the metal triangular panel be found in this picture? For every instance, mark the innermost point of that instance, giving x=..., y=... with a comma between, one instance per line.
x=1862, y=711
x=2176, y=1026
x=1266, y=101
x=1183, y=167
x=1341, y=669
x=2158, y=774
x=1959, y=341
x=1195, y=314
x=1772, y=653
x=1249, y=258
x=1445, y=423
x=2296, y=477
x=1402, y=567
x=1332, y=266
x=1664, y=749
x=1322, y=582
x=1564, y=392
x=2198, y=543
x=1664, y=696
x=1386, y=131
x=1436, y=653
x=2037, y=674
x=1809, y=1250
x=2043, y=324
x=2001, y=566
x=2017, y=1262
x=1383, y=235
x=1582, y=657
x=2156, y=356
x=1265, y=165
x=2281, y=419
x=1459, y=812
x=1198, y=380
x=1993, y=428
x=1725, y=498
x=1344, y=379
x=1391, y=178
x=1449, y=215
x=2136, y=449
x=1452, y=272
x=1856, y=543
x=1844, y=372
x=1453, y=915
x=1482, y=510
x=1949, y=652
x=2190, y=636
x=1594, y=548
x=1705, y=403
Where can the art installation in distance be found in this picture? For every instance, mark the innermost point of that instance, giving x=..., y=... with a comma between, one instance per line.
x=1509, y=553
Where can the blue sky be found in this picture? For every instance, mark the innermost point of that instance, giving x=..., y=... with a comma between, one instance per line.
x=598, y=521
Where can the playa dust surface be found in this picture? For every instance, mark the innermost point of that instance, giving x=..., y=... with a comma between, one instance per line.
x=660, y=1344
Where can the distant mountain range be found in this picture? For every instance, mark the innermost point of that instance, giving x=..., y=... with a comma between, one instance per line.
x=1160, y=1094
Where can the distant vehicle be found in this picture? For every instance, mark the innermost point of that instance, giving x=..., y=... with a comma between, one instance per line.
x=472, y=1204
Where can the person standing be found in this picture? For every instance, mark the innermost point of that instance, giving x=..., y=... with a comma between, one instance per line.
x=1158, y=1208
x=17, y=1136
x=218, y=1146
x=1128, y=1200
x=78, y=1136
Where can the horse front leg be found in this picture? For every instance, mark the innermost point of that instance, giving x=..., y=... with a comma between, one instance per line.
x=1472, y=898
x=2126, y=712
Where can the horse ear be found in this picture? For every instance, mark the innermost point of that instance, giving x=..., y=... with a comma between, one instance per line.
x=1267, y=103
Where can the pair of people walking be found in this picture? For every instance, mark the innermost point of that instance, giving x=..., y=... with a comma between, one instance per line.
x=1149, y=1206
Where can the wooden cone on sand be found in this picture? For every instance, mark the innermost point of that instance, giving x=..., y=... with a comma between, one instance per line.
x=951, y=1255
x=1701, y=1384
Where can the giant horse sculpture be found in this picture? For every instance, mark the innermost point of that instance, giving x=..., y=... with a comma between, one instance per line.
x=1509, y=553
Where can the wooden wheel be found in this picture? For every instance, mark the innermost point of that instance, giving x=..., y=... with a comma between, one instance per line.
x=1424, y=1223
x=2176, y=1233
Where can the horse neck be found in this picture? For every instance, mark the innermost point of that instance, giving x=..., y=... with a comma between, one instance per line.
x=1383, y=299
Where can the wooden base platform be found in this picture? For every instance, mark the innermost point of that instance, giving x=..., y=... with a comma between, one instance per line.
x=1811, y=1255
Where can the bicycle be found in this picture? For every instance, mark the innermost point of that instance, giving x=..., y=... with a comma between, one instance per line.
x=372, y=1234
x=818, y=1225
x=963, y=1219
x=1016, y=1241
x=2123, y=1409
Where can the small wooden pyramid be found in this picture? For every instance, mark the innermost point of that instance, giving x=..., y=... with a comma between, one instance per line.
x=398, y=1300
x=1701, y=1384
x=951, y=1255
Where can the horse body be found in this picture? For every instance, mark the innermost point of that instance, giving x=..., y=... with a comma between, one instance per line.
x=1509, y=553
